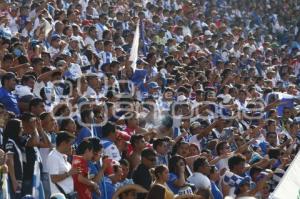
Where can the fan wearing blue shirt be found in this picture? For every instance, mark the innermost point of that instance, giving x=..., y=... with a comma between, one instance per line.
x=86, y=119
x=7, y=97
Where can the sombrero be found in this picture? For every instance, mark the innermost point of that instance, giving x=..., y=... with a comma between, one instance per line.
x=134, y=187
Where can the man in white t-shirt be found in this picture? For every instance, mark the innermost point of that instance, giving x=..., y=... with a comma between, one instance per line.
x=61, y=171
x=201, y=171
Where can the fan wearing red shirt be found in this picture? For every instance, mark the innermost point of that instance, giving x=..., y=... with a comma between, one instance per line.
x=83, y=185
x=132, y=123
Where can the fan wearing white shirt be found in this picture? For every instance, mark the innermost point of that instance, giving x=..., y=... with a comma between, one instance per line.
x=106, y=55
x=94, y=86
x=91, y=38
x=57, y=46
x=12, y=19
x=101, y=27
x=61, y=170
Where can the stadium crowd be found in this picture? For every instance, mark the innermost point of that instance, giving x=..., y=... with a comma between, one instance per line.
x=154, y=99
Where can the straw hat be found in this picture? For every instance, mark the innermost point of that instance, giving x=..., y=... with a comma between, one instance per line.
x=134, y=187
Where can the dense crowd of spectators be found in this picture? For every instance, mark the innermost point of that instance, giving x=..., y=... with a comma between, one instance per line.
x=207, y=106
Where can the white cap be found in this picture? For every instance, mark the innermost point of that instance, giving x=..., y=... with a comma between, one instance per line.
x=208, y=33
x=226, y=99
x=181, y=98
x=22, y=90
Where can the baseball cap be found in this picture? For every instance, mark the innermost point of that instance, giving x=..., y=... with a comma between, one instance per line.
x=122, y=135
x=227, y=98
x=195, y=125
x=23, y=91
x=208, y=33
x=153, y=85
x=55, y=37
x=73, y=38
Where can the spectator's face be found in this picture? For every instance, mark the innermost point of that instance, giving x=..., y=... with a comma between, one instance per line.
x=272, y=139
x=30, y=83
x=183, y=150
x=271, y=127
x=150, y=161
x=194, y=150
x=215, y=176
x=125, y=170
x=94, y=82
x=164, y=176
x=11, y=84
x=68, y=147
x=141, y=144
x=242, y=96
x=163, y=148
x=205, y=169
x=89, y=154
x=286, y=113
x=71, y=127
x=97, y=155
x=240, y=168
x=49, y=124
x=265, y=191
x=168, y=95
x=40, y=108
x=226, y=149
x=74, y=45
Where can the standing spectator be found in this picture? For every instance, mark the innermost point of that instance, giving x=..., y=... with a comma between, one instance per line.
x=82, y=184
x=177, y=166
x=214, y=177
x=49, y=126
x=200, y=176
x=108, y=141
x=109, y=183
x=138, y=144
x=161, y=173
x=14, y=144
x=141, y=175
x=160, y=146
x=61, y=171
x=7, y=98
x=86, y=129
x=125, y=169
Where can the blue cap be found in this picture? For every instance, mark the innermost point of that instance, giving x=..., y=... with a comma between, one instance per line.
x=244, y=181
x=55, y=37
x=153, y=85
x=82, y=100
x=35, y=42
